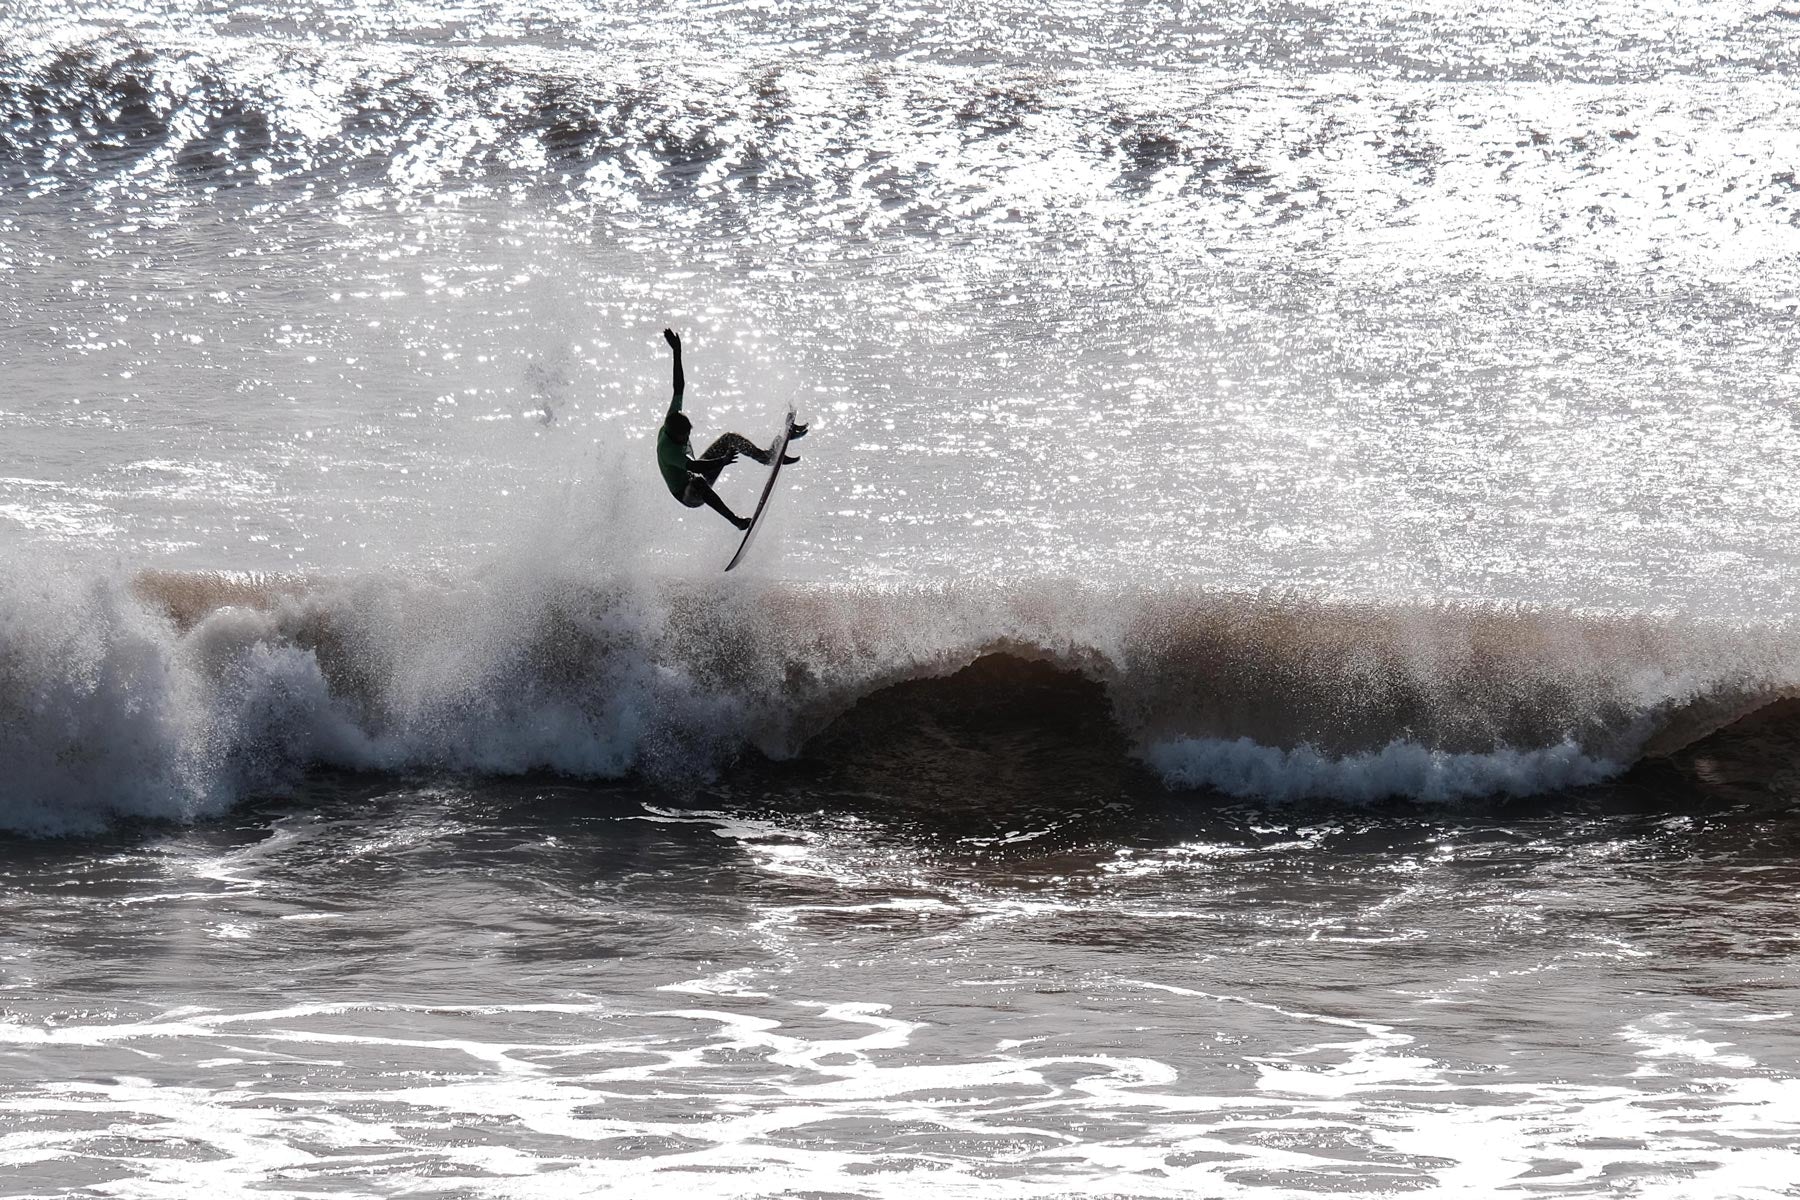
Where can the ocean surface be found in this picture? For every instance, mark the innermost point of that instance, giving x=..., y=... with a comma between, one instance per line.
x=1277, y=673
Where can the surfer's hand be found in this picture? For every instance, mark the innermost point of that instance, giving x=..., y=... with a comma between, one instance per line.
x=674, y=339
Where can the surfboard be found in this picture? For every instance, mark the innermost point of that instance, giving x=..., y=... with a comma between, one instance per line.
x=779, y=449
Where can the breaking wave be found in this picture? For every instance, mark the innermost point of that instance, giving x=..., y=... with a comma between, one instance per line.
x=1534, y=155
x=172, y=696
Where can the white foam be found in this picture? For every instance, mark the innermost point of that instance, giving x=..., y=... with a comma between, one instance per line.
x=1241, y=767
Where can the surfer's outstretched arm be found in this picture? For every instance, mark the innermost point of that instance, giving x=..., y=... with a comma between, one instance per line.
x=674, y=340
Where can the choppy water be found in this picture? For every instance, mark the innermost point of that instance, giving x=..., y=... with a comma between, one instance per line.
x=539, y=990
x=1275, y=674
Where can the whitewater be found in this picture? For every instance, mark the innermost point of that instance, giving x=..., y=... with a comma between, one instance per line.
x=1277, y=670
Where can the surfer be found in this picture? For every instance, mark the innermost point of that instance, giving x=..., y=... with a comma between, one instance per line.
x=690, y=479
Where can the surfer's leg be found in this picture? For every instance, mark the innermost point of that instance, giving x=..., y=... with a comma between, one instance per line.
x=698, y=493
x=736, y=443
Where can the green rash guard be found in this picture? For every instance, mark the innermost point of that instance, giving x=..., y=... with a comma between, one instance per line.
x=672, y=457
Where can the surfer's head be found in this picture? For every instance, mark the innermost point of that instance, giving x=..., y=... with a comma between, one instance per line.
x=679, y=427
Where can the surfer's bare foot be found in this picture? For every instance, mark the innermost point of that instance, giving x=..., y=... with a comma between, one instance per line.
x=799, y=431
x=741, y=522
x=788, y=458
